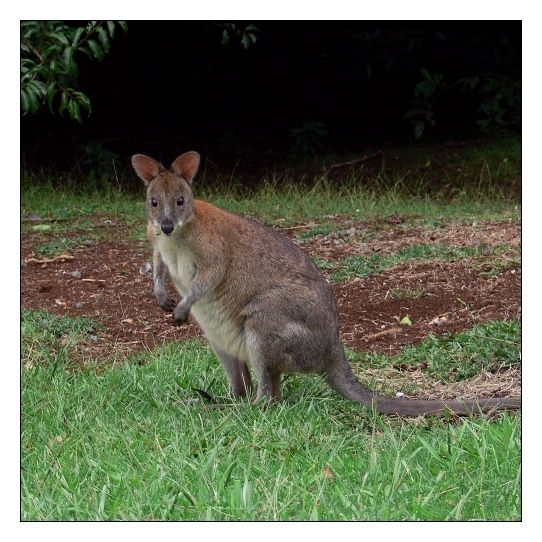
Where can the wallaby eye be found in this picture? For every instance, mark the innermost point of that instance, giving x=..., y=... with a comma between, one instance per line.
x=154, y=202
x=180, y=200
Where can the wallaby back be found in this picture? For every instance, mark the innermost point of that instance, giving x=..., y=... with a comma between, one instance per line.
x=260, y=299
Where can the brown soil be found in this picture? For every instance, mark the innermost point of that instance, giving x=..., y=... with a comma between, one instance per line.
x=103, y=281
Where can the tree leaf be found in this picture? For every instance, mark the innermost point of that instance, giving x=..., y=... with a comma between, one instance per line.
x=225, y=38
x=25, y=101
x=74, y=110
x=419, y=127
x=104, y=38
x=63, y=103
x=77, y=36
x=48, y=52
x=97, y=51
x=60, y=37
x=51, y=93
x=425, y=74
x=111, y=28
x=70, y=66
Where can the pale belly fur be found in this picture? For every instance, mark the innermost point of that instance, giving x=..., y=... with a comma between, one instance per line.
x=223, y=332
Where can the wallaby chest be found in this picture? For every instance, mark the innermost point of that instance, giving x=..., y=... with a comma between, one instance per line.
x=179, y=259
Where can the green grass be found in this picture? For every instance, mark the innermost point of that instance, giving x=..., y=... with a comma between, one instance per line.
x=127, y=444
x=58, y=246
x=424, y=183
x=136, y=442
x=362, y=266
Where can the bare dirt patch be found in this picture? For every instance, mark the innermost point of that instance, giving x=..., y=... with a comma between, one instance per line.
x=102, y=280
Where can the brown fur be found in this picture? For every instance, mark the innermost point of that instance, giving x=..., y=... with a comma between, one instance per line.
x=259, y=298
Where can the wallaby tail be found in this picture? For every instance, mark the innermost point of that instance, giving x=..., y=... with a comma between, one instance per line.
x=417, y=407
x=342, y=379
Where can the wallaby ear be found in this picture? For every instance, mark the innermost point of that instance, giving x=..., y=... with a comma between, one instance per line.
x=146, y=168
x=186, y=165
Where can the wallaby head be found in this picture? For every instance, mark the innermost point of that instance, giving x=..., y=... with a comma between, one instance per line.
x=170, y=203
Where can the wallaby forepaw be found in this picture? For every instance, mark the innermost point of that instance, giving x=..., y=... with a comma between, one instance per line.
x=180, y=314
x=166, y=303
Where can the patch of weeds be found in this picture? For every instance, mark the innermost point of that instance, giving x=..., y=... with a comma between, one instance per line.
x=362, y=266
x=493, y=268
x=324, y=265
x=355, y=266
x=49, y=338
x=317, y=231
x=407, y=293
x=437, y=251
x=56, y=247
x=460, y=356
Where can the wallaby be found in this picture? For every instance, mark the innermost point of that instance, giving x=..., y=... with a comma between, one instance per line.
x=259, y=298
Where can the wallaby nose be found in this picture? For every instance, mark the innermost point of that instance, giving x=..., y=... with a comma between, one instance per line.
x=167, y=227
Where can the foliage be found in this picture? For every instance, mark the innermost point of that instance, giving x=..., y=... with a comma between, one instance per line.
x=484, y=64
x=58, y=246
x=306, y=139
x=500, y=104
x=247, y=36
x=98, y=160
x=500, y=101
x=421, y=113
x=49, y=70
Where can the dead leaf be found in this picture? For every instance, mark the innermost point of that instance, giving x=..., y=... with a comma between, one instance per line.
x=411, y=368
x=439, y=321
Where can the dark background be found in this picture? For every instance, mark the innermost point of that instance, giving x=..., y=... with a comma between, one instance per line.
x=169, y=87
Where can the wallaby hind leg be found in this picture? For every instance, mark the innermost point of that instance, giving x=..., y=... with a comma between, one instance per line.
x=265, y=360
x=268, y=384
x=237, y=372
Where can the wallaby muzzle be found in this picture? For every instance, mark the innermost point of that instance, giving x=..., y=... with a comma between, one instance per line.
x=167, y=227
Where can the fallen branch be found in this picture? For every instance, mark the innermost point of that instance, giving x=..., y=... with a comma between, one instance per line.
x=382, y=333
x=357, y=160
x=62, y=257
x=300, y=227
